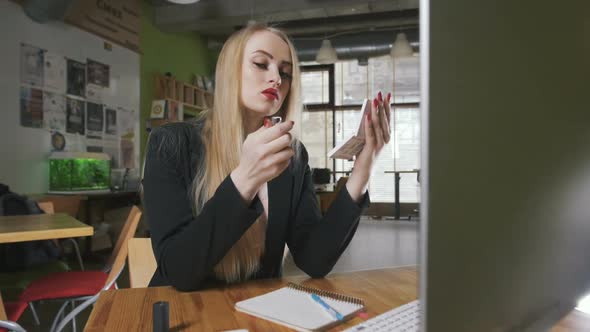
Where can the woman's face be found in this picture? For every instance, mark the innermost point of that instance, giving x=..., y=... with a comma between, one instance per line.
x=266, y=73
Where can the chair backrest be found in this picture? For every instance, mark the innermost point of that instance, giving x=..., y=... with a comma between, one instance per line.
x=47, y=207
x=142, y=262
x=340, y=183
x=63, y=204
x=5, y=323
x=117, y=259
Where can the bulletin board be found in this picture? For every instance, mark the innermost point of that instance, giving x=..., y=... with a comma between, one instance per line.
x=63, y=89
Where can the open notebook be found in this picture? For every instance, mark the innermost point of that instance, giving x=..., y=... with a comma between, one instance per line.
x=293, y=306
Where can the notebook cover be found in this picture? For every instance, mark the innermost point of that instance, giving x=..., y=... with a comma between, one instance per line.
x=353, y=145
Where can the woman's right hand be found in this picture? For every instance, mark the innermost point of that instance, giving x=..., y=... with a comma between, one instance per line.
x=265, y=154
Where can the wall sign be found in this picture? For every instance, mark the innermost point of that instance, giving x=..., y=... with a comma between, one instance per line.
x=114, y=20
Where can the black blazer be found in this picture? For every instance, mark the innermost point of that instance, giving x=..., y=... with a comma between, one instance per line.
x=188, y=247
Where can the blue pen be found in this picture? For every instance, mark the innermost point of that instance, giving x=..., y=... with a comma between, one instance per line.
x=326, y=306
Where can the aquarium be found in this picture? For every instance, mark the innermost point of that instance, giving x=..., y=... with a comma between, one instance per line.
x=71, y=172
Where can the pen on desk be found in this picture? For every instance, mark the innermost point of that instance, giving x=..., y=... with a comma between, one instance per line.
x=326, y=306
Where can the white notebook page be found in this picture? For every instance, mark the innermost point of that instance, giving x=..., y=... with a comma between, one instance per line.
x=295, y=309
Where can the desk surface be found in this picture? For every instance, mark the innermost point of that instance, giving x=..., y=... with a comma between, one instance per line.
x=41, y=227
x=213, y=310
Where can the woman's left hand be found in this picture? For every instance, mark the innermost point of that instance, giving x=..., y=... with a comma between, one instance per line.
x=377, y=131
x=377, y=134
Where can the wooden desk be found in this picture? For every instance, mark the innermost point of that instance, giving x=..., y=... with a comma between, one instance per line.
x=213, y=310
x=41, y=227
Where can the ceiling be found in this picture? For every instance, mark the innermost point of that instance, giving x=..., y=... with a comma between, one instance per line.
x=357, y=29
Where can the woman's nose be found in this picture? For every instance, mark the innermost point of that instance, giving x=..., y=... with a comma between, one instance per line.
x=275, y=77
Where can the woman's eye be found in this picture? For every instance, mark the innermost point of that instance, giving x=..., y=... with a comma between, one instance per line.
x=260, y=65
x=286, y=75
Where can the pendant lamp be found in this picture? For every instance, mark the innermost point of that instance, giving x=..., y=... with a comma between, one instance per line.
x=327, y=53
x=401, y=47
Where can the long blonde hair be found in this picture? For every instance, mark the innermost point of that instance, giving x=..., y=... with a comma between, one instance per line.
x=223, y=134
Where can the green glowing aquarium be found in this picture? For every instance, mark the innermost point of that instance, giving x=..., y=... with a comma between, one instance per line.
x=79, y=172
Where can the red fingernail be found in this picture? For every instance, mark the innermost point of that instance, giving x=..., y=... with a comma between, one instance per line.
x=380, y=96
x=388, y=97
x=266, y=122
x=375, y=103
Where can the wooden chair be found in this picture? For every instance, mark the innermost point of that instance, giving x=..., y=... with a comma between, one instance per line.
x=63, y=204
x=10, y=314
x=142, y=262
x=16, y=282
x=49, y=208
x=73, y=286
x=327, y=198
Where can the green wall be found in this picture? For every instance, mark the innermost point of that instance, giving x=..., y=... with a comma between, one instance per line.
x=182, y=54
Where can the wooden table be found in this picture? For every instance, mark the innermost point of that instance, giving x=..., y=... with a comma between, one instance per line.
x=41, y=227
x=213, y=310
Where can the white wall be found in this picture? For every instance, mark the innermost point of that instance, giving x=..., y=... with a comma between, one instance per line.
x=24, y=151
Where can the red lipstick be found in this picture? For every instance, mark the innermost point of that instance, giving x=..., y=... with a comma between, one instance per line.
x=271, y=93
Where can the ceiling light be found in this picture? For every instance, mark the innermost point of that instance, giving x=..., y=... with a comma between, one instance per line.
x=183, y=2
x=326, y=54
x=401, y=47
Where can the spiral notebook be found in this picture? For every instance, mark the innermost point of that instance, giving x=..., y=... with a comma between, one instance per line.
x=292, y=306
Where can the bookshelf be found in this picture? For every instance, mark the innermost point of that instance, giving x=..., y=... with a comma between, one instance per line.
x=190, y=96
x=193, y=99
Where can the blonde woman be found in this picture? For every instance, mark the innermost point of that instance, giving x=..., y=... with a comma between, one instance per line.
x=224, y=195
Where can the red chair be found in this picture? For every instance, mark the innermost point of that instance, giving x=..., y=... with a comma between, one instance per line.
x=10, y=312
x=72, y=286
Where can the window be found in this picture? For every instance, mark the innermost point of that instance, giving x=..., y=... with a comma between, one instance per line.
x=314, y=87
x=317, y=137
x=340, y=119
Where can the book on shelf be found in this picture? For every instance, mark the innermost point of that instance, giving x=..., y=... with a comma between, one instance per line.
x=167, y=109
x=158, y=110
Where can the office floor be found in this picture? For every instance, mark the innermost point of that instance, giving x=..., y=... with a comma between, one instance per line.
x=377, y=243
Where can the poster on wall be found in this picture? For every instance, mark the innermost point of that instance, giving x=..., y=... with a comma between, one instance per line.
x=76, y=78
x=31, y=65
x=54, y=72
x=98, y=73
x=127, y=121
x=54, y=111
x=94, y=120
x=127, y=152
x=31, y=107
x=94, y=145
x=94, y=93
x=75, y=116
x=74, y=143
x=111, y=121
x=112, y=148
